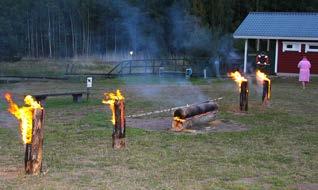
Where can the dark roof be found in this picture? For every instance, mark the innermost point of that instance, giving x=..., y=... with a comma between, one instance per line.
x=279, y=25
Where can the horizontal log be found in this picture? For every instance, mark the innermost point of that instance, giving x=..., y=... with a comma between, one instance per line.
x=76, y=96
x=187, y=112
x=60, y=94
x=197, y=120
x=169, y=109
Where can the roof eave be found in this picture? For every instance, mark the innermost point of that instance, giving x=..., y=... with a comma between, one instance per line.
x=276, y=37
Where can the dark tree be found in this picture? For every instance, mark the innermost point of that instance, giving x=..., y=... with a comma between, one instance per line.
x=71, y=28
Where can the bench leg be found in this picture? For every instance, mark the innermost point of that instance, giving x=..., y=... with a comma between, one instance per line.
x=77, y=98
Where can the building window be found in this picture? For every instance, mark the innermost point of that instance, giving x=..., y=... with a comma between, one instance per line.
x=291, y=46
x=311, y=47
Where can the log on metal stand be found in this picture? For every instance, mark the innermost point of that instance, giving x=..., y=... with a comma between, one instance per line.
x=244, y=96
x=194, y=110
x=266, y=92
x=34, y=150
x=119, y=130
x=188, y=117
x=27, y=157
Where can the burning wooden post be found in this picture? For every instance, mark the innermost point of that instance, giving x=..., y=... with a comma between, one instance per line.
x=33, y=162
x=119, y=126
x=184, y=118
x=243, y=89
x=31, y=117
x=266, y=83
x=244, y=96
x=117, y=106
x=266, y=92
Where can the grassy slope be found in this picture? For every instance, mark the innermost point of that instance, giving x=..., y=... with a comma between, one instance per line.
x=278, y=151
x=53, y=68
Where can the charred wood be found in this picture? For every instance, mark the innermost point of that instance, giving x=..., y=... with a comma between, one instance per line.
x=34, y=151
x=194, y=110
x=244, y=96
x=119, y=131
x=266, y=92
x=187, y=117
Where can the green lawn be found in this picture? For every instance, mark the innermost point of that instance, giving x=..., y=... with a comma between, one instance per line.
x=53, y=68
x=278, y=151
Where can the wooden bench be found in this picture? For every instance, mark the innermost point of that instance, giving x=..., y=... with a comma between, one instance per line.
x=77, y=96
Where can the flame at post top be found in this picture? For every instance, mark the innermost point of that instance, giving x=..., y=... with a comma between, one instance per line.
x=110, y=99
x=238, y=78
x=179, y=119
x=263, y=77
x=24, y=114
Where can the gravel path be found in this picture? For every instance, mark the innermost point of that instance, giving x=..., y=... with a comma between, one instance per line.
x=161, y=124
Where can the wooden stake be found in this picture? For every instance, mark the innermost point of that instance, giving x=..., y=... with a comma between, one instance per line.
x=266, y=92
x=27, y=157
x=119, y=130
x=244, y=96
x=34, y=151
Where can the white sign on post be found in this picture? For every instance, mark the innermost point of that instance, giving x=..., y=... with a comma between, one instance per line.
x=89, y=82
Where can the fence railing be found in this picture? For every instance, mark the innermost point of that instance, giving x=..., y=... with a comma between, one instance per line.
x=150, y=66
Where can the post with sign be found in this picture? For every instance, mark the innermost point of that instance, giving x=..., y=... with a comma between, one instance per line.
x=89, y=84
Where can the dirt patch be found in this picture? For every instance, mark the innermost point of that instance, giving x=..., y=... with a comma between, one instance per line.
x=9, y=173
x=305, y=186
x=154, y=124
x=221, y=126
x=248, y=180
x=236, y=111
x=160, y=124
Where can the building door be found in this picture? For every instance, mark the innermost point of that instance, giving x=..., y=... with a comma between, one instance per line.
x=268, y=47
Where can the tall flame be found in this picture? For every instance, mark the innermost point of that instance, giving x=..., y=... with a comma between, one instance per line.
x=238, y=78
x=263, y=77
x=24, y=114
x=110, y=99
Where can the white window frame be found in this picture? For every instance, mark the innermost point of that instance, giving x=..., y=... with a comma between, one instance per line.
x=307, y=49
x=296, y=46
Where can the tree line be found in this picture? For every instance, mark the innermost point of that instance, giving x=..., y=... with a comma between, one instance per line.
x=71, y=28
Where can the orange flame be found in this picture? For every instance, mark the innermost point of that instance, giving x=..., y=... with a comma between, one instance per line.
x=178, y=119
x=110, y=99
x=238, y=78
x=263, y=77
x=24, y=114
x=177, y=125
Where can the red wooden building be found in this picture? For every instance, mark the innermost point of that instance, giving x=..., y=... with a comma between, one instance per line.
x=284, y=36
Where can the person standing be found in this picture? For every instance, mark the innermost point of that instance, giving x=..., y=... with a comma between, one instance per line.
x=304, y=71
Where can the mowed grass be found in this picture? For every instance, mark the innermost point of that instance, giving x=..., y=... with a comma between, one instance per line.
x=54, y=68
x=278, y=151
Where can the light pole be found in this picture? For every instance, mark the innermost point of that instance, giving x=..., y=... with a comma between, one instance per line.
x=131, y=53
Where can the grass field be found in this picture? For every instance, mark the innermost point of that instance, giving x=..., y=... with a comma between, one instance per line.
x=54, y=68
x=278, y=151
